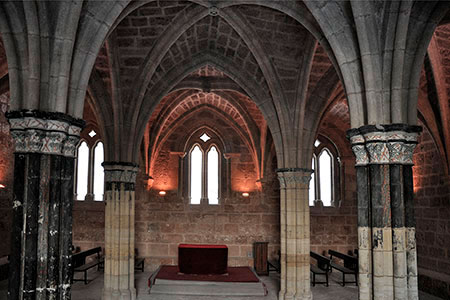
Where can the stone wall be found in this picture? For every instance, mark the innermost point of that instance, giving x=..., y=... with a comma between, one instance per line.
x=163, y=222
x=336, y=227
x=88, y=224
x=6, y=177
x=432, y=210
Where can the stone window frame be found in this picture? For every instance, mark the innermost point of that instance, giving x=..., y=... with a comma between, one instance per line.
x=205, y=148
x=92, y=143
x=327, y=145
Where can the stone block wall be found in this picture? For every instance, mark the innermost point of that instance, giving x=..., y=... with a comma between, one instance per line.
x=163, y=222
x=432, y=210
x=88, y=224
x=336, y=227
x=6, y=177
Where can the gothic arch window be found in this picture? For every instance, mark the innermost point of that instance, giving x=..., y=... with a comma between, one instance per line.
x=196, y=182
x=98, y=175
x=89, y=174
x=82, y=171
x=204, y=161
x=324, y=184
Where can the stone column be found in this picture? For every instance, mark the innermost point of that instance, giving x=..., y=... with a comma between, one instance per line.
x=40, y=262
x=386, y=227
x=120, y=179
x=295, y=234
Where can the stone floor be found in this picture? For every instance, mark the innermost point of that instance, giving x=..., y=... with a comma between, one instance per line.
x=93, y=290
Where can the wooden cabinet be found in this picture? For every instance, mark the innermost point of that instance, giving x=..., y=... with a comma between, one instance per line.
x=260, y=258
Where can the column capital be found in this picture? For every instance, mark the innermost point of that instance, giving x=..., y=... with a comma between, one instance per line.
x=294, y=177
x=120, y=172
x=384, y=144
x=44, y=132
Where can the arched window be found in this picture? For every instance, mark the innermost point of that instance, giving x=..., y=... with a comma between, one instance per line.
x=99, y=175
x=204, y=171
x=213, y=176
x=89, y=174
x=196, y=175
x=312, y=183
x=323, y=186
x=82, y=172
x=325, y=165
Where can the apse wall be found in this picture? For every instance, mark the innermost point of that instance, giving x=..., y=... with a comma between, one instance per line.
x=164, y=222
x=6, y=177
x=432, y=211
x=336, y=227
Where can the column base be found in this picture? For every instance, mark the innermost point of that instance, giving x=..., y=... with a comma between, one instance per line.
x=128, y=294
x=288, y=296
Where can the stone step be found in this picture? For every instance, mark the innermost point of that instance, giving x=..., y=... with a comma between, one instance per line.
x=204, y=288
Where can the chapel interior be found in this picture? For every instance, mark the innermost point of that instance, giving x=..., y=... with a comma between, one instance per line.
x=137, y=126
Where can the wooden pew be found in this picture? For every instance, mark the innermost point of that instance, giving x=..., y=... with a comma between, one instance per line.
x=79, y=262
x=322, y=267
x=350, y=265
x=4, y=267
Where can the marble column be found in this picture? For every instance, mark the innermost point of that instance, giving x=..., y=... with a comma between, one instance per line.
x=295, y=234
x=40, y=261
x=386, y=227
x=120, y=179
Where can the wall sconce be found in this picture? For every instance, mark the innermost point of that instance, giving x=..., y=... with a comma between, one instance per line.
x=2, y=186
x=162, y=193
x=245, y=194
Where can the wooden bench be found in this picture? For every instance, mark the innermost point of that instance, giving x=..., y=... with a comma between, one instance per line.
x=79, y=262
x=4, y=267
x=273, y=265
x=322, y=267
x=139, y=264
x=350, y=265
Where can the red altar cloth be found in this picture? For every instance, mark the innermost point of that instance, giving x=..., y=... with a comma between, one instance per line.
x=202, y=259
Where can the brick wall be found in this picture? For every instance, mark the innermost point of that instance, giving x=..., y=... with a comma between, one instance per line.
x=164, y=222
x=6, y=177
x=336, y=227
x=432, y=210
x=88, y=224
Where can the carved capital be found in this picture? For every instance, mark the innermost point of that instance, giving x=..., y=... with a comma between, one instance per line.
x=46, y=136
x=387, y=144
x=120, y=172
x=294, y=178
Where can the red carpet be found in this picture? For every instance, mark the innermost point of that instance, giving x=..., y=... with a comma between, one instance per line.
x=235, y=274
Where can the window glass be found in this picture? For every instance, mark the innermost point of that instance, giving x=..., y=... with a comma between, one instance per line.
x=99, y=177
x=196, y=175
x=312, y=186
x=82, y=170
x=325, y=161
x=213, y=176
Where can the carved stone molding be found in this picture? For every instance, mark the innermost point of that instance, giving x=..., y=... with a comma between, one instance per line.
x=295, y=177
x=46, y=136
x=116, y=172
x=384, y=144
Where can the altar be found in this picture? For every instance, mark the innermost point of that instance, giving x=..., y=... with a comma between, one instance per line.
x=202, y=259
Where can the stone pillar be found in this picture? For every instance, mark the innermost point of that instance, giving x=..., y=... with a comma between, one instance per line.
x=40, y=262
x=295, y=234
x=386, y=227
x=120, y=179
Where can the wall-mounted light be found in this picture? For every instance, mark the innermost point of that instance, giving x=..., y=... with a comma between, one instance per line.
x=162, y=193
x=2, y=186
x=245, y=194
